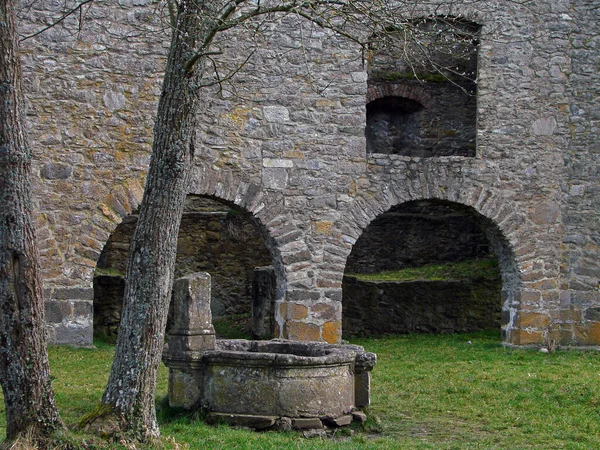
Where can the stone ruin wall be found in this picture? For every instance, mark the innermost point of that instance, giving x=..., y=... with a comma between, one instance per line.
x=413, y=235
x=417, y=234
x=213, y=238
x=288, y=145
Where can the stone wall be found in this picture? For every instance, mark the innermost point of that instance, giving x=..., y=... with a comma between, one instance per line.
x=416, y=234
x=213, y=238
x=578, y=314
x=286, y=143
x=375, y=308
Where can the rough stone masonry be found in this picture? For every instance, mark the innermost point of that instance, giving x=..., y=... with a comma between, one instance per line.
x=286, y=142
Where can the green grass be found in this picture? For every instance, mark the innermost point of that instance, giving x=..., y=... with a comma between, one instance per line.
x=238, y=326
x=108, y=271
x=468, y=270
x=461, y=391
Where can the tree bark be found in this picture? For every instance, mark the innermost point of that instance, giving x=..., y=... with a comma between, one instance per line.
x=24, y=369
x=130, y=391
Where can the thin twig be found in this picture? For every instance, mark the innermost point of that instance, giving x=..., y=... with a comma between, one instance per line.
x=63, y=17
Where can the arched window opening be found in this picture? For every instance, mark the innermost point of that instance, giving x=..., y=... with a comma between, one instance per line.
x=433, y=58
x=393, y=125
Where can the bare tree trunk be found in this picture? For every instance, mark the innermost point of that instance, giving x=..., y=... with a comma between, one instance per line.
x=24, y=369
x=130, y=391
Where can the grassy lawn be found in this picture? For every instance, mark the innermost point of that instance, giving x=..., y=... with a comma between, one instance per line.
x=461, y=391
x=474, y=269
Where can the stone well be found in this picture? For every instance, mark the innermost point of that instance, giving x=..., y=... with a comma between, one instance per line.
x=260, y=384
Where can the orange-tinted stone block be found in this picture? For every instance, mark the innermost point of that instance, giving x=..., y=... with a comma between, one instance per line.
x=296, y=311
x=532, y=320
x=522, y=337
x=300, y=331
x=283, y=310
x=323, y=227
x=332, y=332
x=594, y=333
x=587, y=334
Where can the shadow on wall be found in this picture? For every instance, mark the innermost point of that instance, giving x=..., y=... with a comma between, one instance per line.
x=214, y=237
x=388, y=286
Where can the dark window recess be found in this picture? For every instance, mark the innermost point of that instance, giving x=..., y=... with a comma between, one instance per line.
x=393, y=125
x=441, y=73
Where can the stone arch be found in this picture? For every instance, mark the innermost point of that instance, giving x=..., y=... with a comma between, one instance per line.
x=285, y=238
x=412, y=92
x=499, y=221
x=267, y=209
x=217, y=237
x=69, y=270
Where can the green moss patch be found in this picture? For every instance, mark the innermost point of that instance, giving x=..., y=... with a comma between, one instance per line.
x=486, y=269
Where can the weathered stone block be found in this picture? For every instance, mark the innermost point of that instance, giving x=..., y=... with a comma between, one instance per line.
x=324, y=311
x=56, y=171
x=527, y=319
x=332, y=332
x=275, y=178
x=56, y=311
x=191, y=305
x=276, y=114
x=307, y=423
x=364, y=364
x=296, y=311
x=75, y=333
x=340, y=421
x=300, y=331
x=587, y=334
x=185, y=388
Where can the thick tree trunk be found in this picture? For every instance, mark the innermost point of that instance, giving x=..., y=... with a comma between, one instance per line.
x=151, y=262
x=24, y=369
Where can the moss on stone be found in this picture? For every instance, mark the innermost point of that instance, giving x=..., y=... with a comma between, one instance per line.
x=474, y=269
x=100, y=411
x=108, y=271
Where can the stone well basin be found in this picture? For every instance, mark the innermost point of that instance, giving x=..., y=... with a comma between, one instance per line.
x=261, y=383
x=288, y=379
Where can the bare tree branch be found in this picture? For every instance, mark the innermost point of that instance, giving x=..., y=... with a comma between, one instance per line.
x=72, y=11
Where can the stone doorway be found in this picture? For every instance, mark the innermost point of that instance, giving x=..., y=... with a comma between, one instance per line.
x=380, y=296
x=215, y=237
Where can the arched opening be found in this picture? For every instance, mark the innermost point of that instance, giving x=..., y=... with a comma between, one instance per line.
x=433, y=58
x=393, y=125
x=429, y=266
x=215, y=237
